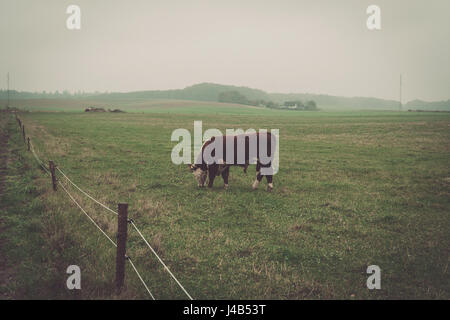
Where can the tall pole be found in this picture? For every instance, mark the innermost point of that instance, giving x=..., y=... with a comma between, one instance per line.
x=400, y=105
x=7, y=92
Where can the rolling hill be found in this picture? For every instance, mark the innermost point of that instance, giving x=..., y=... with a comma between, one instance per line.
x=211, y=91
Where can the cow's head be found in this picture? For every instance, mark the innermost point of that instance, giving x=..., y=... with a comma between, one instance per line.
x=199, y=174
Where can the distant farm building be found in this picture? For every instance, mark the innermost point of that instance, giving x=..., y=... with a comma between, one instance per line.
x=94, y=109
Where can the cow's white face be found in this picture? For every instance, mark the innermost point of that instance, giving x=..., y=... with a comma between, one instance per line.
x=199, y=174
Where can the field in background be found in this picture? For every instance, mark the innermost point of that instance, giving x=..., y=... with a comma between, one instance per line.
x=136, y=105
x=354, y=189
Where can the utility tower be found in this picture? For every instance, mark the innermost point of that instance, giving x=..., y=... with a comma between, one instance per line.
x=7, y=92
x=400, y=105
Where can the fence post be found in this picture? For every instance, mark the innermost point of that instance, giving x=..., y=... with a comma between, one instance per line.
x=51, y=165
x=28, y=143
x=23, y=132
x=122, y=229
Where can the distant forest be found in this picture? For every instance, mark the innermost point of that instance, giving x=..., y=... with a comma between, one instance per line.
x=240, y=95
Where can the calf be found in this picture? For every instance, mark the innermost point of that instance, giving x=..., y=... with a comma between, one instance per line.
x=242, y=150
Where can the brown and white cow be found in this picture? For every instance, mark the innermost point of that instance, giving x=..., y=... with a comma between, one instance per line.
x=237, y=150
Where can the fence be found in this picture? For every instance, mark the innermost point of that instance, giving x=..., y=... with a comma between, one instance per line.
x=122, y=220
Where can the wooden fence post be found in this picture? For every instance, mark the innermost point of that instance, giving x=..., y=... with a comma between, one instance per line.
x=122, y=229
x=23, y=132
x=28, y=143
x=51, y=165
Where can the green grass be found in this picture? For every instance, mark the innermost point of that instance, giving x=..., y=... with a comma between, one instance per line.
x=30, y=246
x=136, y=106
x=159, y=106
x=354, y=189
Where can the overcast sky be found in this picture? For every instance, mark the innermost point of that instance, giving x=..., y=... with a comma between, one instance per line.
x=320, y=46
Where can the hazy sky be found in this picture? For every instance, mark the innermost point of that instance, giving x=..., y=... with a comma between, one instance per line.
x=320, y=46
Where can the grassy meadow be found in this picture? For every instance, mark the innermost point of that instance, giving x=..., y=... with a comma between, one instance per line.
x=354, y=189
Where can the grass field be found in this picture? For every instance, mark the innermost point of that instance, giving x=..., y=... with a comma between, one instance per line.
x=354, y=189
x=137, y=106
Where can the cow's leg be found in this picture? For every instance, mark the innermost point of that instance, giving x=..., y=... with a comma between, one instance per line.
x=269, y=183
x=269, y=176
x=258, y=176
x=225, y=174
x=245, y=167
x=212, y=172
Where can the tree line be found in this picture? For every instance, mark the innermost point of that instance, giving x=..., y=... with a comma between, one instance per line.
x=239, y=98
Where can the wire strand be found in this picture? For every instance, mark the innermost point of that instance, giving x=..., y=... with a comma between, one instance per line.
x=92, y=220
x=98, y=227
x=140, y=278
x=114, y=244
x=85, y=193
x=37, y=158
x=160, y=260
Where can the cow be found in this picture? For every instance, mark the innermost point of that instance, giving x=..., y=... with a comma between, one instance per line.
x=247, y=149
